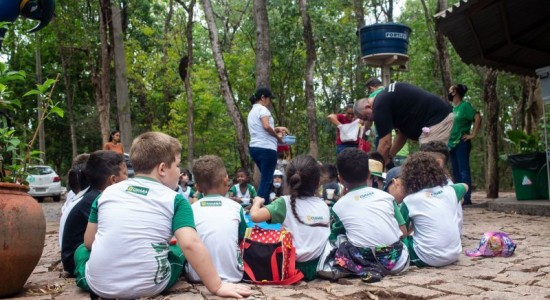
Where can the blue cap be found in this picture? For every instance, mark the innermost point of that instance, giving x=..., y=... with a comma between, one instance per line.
x=392, y=173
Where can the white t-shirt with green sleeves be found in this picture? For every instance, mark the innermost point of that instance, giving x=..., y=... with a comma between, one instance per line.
x=220, y=223
x=434, y=215
x=136, y=219
x=309, y=241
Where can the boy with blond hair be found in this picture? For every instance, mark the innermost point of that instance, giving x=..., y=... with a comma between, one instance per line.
x=131, y=225
x=219, y=220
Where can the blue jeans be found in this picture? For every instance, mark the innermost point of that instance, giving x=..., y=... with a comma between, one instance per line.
x=460, y=161
x=341, y=147
x=266, y=160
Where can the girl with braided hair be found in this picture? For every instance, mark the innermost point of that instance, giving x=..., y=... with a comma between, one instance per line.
x=302, y=213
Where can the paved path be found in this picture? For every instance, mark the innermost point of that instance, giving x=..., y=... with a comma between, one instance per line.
x=526, y=275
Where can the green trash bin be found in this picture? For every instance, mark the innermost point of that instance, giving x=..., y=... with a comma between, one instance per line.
x=530, y=177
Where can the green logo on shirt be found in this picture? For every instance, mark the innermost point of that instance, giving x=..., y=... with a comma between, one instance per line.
x=138, y=190
x=211, y=203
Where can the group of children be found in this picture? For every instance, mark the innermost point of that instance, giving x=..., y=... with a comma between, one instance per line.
x=411, y=218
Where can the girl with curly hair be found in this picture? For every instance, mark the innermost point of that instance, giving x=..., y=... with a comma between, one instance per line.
x=301, y=212
x=431, y=205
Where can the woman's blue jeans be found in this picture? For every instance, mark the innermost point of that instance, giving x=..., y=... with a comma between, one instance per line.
x=460, y=161
x=266, y=160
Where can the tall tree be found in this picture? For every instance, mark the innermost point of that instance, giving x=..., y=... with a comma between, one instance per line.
x=121, y=79
x=225, y=87
x=102, y=79
x=263, y=52
x=491, y=127
x=187, y=64
x=359, y=13
x=41, y=131
x=308, y=76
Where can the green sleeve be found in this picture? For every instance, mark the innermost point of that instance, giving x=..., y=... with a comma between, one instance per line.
x=405, y=214
x=233, y=191
x=252, y=191
x=337, y=227
x=470, y=111
x=398, y=215
x=460, y=190
x=277, y=210
x=199, y=195
x=93, y=212
x=191, y=193
x=183, y=214
x=242, y=226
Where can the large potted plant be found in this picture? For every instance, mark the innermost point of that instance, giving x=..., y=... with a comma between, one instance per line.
x=22, y=223
x=528, y=165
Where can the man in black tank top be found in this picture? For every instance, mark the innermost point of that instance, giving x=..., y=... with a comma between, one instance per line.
x=417, y=114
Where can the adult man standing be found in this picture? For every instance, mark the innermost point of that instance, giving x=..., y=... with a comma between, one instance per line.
x=417, y=114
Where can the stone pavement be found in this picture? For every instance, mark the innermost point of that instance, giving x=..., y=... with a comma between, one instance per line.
x=524, y=275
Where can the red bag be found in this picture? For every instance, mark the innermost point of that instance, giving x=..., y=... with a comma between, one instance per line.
x=269, y=257
x=364, y=145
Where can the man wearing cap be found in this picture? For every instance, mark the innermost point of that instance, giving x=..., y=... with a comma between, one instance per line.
x=415, y=113
x=263, y=138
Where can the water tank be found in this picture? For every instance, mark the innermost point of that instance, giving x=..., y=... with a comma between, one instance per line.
x=384, y=43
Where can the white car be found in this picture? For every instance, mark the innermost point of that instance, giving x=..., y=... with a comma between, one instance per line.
x=44, y=182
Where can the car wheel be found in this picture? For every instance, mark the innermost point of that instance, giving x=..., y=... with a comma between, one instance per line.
x=57, y=198
x=39, y=199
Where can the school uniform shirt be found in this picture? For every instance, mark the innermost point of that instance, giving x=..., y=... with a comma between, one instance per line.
x=434, y=214
x=250, y=192
x=309, y=241
x=136, y=219
x=259, y=137
x=221, y=225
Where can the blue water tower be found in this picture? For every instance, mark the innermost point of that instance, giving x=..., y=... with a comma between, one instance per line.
x=384, y=44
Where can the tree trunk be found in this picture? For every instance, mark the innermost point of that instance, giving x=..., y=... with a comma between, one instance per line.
x=122, y=98
x=360, y=70
x=263, y=54
x=308, y=76
x=187, y=82
x=443, y=53
x=39, y=100
x=67, y=82
x=103, y=102
x=225, y=87
x=492, y=109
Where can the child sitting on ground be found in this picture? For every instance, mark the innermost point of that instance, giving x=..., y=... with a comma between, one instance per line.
x=243, y=191
x=432, y=206
x=376, y=170
x=219, y=221
x=329, y=181
x=440, y=151
x=368, y=217
x=302, y=213
x=103, y=168
x=184, y=187
x=277, y=185
x=131, y=225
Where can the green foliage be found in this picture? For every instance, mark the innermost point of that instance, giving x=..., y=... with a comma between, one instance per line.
x=523, y=142
x=16, y=156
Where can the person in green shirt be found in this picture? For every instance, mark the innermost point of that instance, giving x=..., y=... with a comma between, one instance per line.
x=462, y=133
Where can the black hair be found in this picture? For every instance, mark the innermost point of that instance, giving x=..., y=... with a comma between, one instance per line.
x=302, y=178
x=76, y=178
x=101, y=165
x=243, y=170
x=112, y=134
x=373, y=82
x=350, y=105
x=461, y=90
x=438, y=147
x=330, y=171
x=353, y=165
x=376, y=156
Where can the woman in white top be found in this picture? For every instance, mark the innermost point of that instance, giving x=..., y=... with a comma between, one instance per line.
x=263, y=138
x=305, y=215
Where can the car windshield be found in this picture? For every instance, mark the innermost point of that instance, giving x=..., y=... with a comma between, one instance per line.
x=40, y=170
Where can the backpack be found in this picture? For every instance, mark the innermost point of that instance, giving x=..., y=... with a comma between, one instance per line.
x=269, y=257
